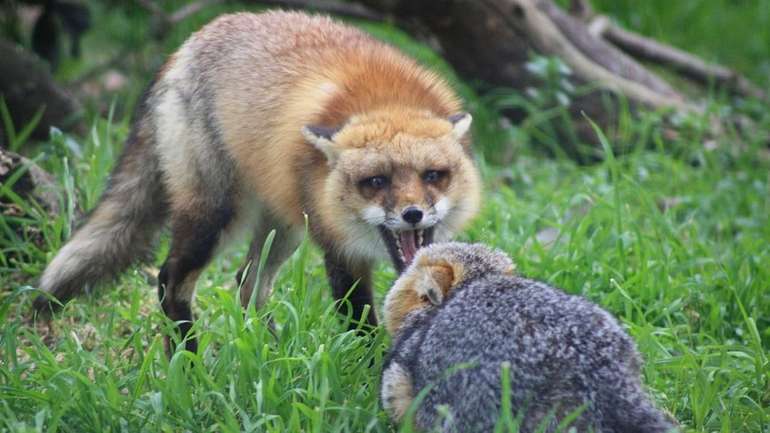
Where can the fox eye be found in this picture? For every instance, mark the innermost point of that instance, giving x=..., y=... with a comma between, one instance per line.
x=434, y=176
x=424, y=299
x=375, y=182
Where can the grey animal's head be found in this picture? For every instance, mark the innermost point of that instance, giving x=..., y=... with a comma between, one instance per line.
x=435, y=272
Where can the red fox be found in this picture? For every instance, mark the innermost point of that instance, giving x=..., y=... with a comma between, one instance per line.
x=261, y=119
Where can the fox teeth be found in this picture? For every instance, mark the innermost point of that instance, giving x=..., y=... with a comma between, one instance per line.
x=419, y=238
x=398, y=246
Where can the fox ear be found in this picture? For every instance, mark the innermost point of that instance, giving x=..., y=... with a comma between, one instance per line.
x=322, y=138
x=461, y=122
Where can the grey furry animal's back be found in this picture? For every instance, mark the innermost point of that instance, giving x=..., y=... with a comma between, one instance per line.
x=565, y=354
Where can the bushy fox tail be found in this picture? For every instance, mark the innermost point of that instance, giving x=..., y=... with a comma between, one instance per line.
x=121, y=229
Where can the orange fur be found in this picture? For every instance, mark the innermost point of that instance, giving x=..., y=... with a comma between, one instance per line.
x=325, y=73
x=440, y=269
x=259, y=120
x=263, y=79
x=409, y=292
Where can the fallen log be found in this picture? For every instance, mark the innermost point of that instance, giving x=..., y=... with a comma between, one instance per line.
x=25, y=179
x=26, y=86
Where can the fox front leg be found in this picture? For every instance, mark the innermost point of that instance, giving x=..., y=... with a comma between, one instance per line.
x=351, y=283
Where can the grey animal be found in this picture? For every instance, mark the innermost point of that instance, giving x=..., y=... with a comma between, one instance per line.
x=459, y=313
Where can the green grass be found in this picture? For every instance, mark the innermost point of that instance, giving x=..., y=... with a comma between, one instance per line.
x=671, y=236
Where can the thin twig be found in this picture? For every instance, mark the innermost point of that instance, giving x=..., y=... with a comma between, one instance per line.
x=191, y=9
x=352, y=10
x=164, y=21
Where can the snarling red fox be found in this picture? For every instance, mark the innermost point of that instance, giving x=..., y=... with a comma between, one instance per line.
x=258, y=120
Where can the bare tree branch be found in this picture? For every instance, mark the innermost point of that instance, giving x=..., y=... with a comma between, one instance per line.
x=352, y=10
x=684, y=63
x=581, y=9
x=538, y=21
x=603, y=53
x=644, y=48
x=27, y=86
x=164, y=21
x=191, y=9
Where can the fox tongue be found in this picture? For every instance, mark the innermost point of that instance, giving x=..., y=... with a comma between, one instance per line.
x=409, y=246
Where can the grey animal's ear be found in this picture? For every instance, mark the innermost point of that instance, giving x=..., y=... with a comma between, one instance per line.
x=322, y=137
x=435, y=296
x=442, y=275
x=434, y=293
x=461, y=122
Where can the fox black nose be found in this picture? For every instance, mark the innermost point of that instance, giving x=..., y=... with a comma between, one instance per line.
x=412, y=215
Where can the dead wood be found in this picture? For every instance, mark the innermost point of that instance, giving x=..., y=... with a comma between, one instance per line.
x=165, y=21
x=27, y=87
x=334, y=7
x=593, y=60
x=680, y=61
x=27, y=180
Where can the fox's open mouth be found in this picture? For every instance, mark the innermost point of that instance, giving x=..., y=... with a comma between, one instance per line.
x=403, y=245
